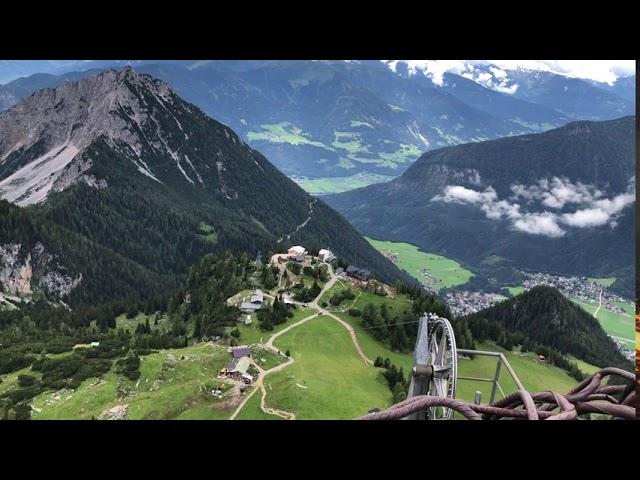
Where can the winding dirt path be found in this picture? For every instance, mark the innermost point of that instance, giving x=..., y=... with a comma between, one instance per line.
x=259, y=384
x=303, y=224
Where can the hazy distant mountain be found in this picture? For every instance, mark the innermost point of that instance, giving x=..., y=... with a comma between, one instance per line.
x=328, y=119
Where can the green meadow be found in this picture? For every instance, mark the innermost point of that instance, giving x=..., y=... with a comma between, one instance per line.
x=325, y=185
x=446, y=272
x=328, y=379
x=170, y=386
x=615, y=324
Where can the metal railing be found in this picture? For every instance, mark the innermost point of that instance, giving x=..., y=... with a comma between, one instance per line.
x=502, y=360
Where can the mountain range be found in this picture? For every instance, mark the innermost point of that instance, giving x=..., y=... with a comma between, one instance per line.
x=335, y=125
x=560, y=201
x=144, y=181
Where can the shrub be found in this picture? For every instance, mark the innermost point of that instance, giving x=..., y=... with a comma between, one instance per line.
x=26, y=380
x=354, y=312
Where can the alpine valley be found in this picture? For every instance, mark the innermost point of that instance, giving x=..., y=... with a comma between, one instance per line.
x=259, y=239
x=115, y=168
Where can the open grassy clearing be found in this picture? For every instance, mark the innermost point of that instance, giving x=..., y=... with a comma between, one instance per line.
x=406, y=153
x=614, y=324
x=207, y=233
x=338, y=383
x=357, y=123
x=446, y=272
x=267, y=359
x=130, y=324
x=607, y=281
x=252, y=411
x=514, y=290
x=251, y=334
x=283, y=132
x=170, y=387
x=628, y=307
x=325, y=185
x=349, y=141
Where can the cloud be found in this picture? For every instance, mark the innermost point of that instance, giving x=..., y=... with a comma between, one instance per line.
x=544, y=223
x=460, y=194
x=606, y=71
x=434, y=69
x=589, y=217
x=556, y=194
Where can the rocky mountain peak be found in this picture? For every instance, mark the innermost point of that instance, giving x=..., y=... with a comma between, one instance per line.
x=42, y=136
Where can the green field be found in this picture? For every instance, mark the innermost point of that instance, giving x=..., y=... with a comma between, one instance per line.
x=338, y=383
x=514, y=290
x=170, y=387
x=614, y=324
x=325, y=185
x=283, y=132
x=607, y=282
x=131, y=323
x=447, y=272
x=532, y=373
x=208, y=233
x=267, y=359
x=628, y=307
x=251, y=410
x=250, y=334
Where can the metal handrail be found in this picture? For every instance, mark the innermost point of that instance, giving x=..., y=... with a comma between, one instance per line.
x=502, y=360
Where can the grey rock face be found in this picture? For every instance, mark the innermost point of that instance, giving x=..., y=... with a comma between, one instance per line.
x=42, y=138
x=20, y=270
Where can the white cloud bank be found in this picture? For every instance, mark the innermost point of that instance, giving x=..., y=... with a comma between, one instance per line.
x=606, y=71
x=591, y=208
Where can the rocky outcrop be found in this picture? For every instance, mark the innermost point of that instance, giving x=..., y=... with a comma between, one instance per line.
x=119, y=412
x=15, y=270
x=22, y=270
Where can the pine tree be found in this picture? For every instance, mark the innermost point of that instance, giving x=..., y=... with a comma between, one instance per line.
x=197, y=328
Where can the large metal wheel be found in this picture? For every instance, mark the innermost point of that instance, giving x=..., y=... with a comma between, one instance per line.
x=443, y=359
x=435, y=367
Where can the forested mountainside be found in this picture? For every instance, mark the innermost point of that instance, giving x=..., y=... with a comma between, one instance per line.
x=562, y=201
x=545, y=317
x=119, y=159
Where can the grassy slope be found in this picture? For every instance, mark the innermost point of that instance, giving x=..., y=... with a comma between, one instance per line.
x=251, y=410
x=533, y=374
x=324, y=185
x=169, y=388
x=251, y=334
x=339, y=384
x=448, y=272
x=607, y=282
x=613, y=323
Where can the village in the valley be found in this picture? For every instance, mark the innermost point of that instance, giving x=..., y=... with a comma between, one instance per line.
x=581, y=289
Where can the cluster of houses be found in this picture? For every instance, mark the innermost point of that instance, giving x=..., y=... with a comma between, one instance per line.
x=238, y=365
x=298, y=253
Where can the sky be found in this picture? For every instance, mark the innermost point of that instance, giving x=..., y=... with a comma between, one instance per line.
x=606, y=71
